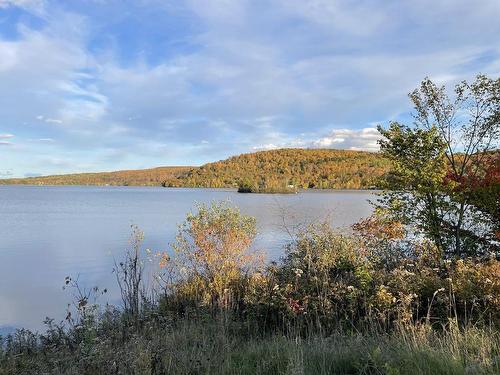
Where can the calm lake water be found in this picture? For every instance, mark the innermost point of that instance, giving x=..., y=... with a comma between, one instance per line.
x=47, y=233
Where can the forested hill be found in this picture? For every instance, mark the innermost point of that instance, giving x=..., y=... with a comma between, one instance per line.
x=140, y=177
x=302, y=168
x=264, y=170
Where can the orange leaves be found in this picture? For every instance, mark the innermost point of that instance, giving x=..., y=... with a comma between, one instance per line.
x=378, y=227
x=213, y=247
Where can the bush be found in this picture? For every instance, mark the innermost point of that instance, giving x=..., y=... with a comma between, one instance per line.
x=376, y=279
x=213, y=259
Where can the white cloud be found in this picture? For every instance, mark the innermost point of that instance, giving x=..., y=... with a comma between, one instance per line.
x=348, y=139
x=365, y=139
x=269, y=146
x=36, y=6
x=6, y=136
x=39, y=64
x=49, y=120
x=357, y=18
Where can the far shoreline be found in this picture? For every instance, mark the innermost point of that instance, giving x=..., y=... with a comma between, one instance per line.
x=235, y=190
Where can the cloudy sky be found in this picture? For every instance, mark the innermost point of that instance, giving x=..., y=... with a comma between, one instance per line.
x=106, y=85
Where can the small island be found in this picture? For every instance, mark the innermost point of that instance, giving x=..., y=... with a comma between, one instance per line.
x=247, y=187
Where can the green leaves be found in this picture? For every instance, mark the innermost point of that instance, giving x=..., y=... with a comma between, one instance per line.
x=440, y=163
x=418, y=156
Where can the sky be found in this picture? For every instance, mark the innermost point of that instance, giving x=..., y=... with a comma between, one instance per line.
x=101, y=85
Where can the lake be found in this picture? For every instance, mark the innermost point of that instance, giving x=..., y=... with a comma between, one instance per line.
x=49, y=232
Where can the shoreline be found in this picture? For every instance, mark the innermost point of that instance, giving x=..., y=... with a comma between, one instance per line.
x=310, y=190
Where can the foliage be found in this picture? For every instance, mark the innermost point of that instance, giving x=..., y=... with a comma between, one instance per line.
x=445, y=166
x=144, y=177
x=289, y=169
x=416, y=193
x=249, y=187
x=378, y=278
x=484, y=194
x=213, y=256
x=325, y=276
x=282, y=170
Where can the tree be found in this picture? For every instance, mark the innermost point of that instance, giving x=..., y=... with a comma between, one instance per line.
x=443, y=159
x=416, y=181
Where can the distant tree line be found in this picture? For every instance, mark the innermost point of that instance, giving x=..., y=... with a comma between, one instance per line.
x=265, y=171
x=143, y=177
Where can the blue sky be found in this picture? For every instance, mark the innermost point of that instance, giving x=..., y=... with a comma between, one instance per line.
x=106, y=85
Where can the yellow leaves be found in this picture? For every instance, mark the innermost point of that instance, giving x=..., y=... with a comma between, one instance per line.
x=475, y=281
x=383, y=298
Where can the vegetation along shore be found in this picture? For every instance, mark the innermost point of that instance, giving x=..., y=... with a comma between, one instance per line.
x=413, y=289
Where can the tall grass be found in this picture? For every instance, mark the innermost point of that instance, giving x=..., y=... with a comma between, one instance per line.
x=211, y=347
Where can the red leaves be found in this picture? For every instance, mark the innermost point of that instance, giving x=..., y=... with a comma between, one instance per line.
x=469, y=181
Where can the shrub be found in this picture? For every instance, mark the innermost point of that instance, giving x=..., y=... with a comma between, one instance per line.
x=213, y=259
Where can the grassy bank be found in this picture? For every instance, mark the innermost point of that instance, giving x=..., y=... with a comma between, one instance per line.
x=215, y=347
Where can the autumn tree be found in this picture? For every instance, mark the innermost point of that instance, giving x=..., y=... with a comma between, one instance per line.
x=442, y=160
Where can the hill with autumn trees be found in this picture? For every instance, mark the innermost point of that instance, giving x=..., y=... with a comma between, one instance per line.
x=140, y=177
x=266, y=171
x=300, y=168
